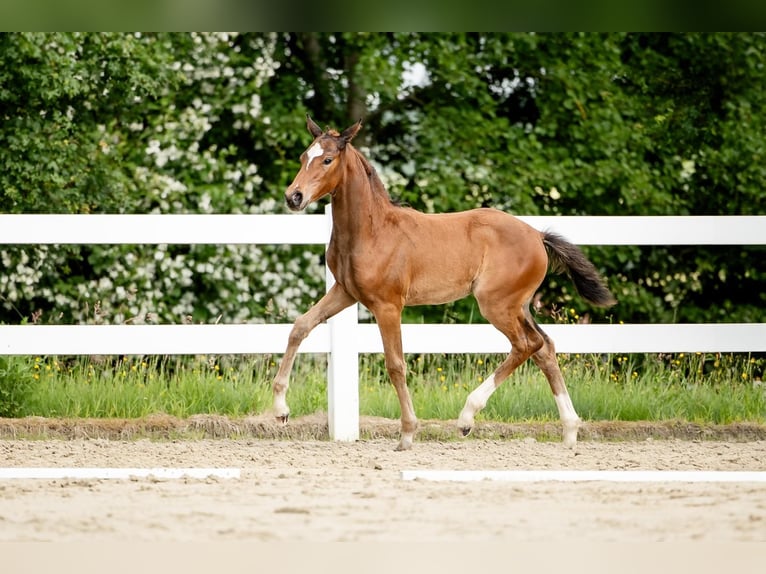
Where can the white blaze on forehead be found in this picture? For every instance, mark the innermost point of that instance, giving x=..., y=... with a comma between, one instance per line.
x=314, y=151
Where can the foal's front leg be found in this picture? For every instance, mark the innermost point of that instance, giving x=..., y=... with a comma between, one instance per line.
x=389, y=319
x=333, y=302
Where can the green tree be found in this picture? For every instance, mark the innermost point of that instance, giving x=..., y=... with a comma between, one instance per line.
x=613, y=124
x=65, y=99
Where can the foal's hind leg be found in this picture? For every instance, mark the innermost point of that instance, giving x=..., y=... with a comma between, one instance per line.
x=525, y=340
x=333, y=302
x=546, y=359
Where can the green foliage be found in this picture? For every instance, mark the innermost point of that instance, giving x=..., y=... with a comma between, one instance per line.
x=134, y=387
x=709, y=388
x=598, y=124
x=16, y=380
x=65, y=99
x=187, y=149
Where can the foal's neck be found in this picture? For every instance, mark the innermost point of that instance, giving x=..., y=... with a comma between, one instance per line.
x=361, y=202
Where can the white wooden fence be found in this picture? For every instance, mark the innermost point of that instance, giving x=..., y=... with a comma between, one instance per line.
x=343, y=338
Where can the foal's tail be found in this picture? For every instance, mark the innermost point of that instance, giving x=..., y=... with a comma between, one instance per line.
x=567, y=257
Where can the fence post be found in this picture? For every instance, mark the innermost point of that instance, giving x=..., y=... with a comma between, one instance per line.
x=343, y=369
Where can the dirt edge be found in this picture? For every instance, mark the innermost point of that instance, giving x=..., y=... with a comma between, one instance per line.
x=314, y=427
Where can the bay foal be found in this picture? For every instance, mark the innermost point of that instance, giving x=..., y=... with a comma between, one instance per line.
x=385, y=257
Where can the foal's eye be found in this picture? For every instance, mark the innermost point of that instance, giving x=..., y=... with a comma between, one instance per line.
x=327, y=161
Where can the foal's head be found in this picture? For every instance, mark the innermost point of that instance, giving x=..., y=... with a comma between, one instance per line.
x=321, y=165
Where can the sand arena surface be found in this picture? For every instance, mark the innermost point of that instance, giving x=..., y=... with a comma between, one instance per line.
x=317, y=490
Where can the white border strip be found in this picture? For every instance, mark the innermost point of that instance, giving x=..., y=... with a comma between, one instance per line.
x=585, y=475
x=118, y=473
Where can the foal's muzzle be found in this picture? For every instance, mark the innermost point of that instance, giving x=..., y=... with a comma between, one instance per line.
x=294, y=200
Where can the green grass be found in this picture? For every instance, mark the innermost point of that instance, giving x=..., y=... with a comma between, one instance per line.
x=697, y=388
x=132, y=388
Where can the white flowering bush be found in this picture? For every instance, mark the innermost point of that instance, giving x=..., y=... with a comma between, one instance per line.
x=559, y=124
x=181, y=158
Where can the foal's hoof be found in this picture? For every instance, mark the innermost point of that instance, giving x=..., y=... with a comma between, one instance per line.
x=465, y=422
x=404, y=444
x=569, y=435
x=283, y=418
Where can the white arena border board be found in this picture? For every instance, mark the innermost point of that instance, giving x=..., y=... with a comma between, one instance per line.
x=115, y=473
x=585, y=475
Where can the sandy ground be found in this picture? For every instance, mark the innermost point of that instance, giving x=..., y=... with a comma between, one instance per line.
x=315, y=490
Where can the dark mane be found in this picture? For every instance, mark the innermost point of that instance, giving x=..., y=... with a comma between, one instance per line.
x=375, y=181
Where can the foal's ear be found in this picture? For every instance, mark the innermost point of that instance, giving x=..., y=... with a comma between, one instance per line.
x=314, y=129
x=349, y=133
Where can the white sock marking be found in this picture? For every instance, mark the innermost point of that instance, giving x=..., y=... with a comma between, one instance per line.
x=480, y=395
x=566, y=408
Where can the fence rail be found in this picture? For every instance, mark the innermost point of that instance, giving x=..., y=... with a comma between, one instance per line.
x=41, y=229
x=343, y=338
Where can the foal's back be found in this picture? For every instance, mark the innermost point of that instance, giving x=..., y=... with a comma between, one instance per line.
x=449, y=255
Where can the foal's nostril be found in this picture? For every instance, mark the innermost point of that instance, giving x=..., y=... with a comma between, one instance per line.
x=295, y=200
